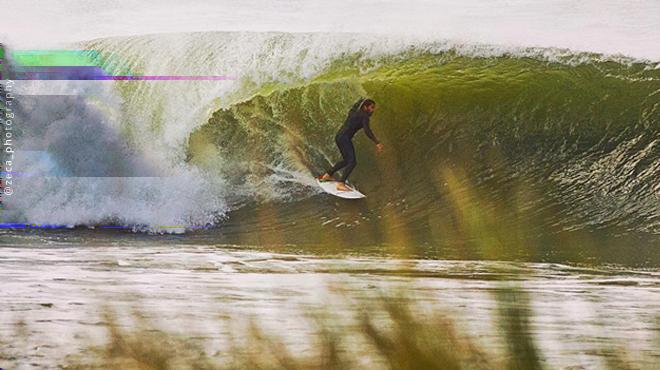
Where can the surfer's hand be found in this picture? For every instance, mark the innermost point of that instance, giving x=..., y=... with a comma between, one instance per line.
x=379, y=148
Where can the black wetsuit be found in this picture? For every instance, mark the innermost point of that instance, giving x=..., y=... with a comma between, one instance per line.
x=355, y=121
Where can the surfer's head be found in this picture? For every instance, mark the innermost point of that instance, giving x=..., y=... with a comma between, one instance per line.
x=366, y=105
x=369, y=105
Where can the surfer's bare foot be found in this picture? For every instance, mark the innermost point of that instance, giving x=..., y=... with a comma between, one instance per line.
x=325, y=177
x=342, y=187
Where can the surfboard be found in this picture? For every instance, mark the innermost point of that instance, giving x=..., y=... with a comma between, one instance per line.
x=330, y=187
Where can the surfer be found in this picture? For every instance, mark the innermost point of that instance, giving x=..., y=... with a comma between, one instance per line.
x=358, y=117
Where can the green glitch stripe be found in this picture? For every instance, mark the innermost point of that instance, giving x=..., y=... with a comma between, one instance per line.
x=55, y=58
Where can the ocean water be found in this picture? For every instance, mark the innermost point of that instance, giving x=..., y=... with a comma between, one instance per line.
x=548, y=142
x=518, y=134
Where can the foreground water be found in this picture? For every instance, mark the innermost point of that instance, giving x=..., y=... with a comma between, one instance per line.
x=60, y=285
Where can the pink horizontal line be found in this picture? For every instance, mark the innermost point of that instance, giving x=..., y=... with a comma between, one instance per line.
x=166, y=78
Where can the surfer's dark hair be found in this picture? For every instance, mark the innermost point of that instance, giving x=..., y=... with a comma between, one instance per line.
x=362, y=102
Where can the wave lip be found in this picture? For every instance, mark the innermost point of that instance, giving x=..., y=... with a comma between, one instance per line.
x=608, y=27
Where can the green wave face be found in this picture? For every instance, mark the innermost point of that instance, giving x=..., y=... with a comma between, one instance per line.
x=578, y=138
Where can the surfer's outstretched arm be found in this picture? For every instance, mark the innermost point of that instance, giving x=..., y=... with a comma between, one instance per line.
x=367, y=130
x=370, y=135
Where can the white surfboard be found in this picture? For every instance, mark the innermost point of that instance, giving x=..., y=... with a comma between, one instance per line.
x=330, y=187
